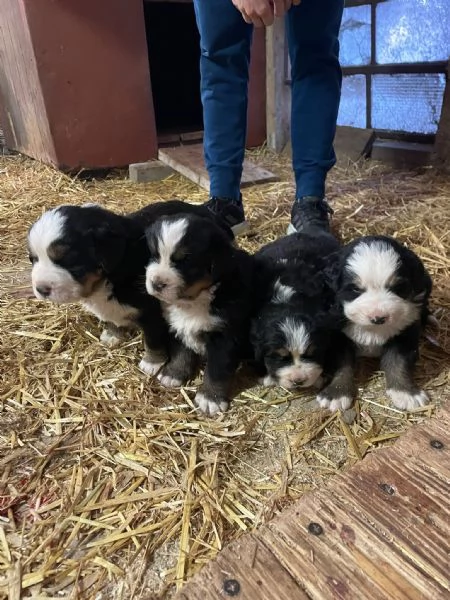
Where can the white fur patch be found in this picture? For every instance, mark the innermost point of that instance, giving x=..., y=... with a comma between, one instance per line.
x=188, y=319
x=149, y=367
x=281, y=293
x=209, y=406
x=45, y=274
x=168, y=381
x=296, y=334
x=406, y=401
x=341, y=403
x=109, y=309
x=161, y=270
x=374, y=266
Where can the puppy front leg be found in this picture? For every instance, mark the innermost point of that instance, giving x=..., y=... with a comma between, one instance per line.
x=222, y=361
x=398, y=362
x=156, y=338
x=340, y=391
x=182, y=366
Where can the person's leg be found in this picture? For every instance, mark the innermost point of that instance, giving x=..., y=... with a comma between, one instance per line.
x=313, y=29
x=225, y=41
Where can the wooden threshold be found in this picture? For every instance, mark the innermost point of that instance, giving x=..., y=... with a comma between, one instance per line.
x=380, y=531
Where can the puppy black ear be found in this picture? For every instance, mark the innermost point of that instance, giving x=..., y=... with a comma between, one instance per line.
x=256, y=341
x=333, y=270
x=108, y=242
x=222, y=258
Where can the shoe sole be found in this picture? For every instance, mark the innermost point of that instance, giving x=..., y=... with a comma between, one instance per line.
x=291, y=229
x=240, y=228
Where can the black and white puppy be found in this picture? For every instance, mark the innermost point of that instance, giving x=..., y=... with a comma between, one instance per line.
x=205, y=286
x=294, y=334
x=383, y=290
x=90, y=255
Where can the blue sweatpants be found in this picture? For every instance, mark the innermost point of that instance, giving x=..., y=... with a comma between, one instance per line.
x=225, y=38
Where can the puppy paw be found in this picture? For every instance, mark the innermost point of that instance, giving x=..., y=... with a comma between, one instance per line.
x=110, y=339
x=334, y=404
x=149, y=367
x=267, y=381
x=209, y=406
x=169, y=381
x=406, y=400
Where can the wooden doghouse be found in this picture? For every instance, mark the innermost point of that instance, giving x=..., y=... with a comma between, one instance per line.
x=95, y=84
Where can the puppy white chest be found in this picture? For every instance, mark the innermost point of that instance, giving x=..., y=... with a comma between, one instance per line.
x=107, y=308
x=368, y=343
x=189, y=320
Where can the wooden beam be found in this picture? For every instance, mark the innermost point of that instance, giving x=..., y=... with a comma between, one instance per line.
x=278, y=93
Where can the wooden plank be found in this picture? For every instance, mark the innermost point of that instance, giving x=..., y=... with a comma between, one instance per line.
x=22, y=106
x=249, y=570
x=382, y=530
x=352, y=143
x=278, y=93
x=188, y=160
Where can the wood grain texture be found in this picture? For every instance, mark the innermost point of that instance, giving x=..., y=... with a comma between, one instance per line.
x=384, y=531
x=22, y=108
x=188, y=160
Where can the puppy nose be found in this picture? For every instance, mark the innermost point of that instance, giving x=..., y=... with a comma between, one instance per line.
x=158, y=285
x=378, y=320
x=44, y=290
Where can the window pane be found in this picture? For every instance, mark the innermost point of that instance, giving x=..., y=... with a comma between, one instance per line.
x=409, y=103
x=352, y=111
x=355, y=36
x=412, y=31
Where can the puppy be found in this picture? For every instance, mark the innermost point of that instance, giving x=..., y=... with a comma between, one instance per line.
x=205, y=286
x=294, y=335
x=382, y=290
x=90, y=255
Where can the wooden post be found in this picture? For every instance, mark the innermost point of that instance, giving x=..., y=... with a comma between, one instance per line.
x=278, y=92
x=441, y=157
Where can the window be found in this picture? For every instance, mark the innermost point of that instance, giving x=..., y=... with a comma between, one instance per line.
x=394, y=57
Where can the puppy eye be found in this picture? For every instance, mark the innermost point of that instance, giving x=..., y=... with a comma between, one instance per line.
x=32, y=258
x=179, y=255
x=281, y=353
x=400, y=288
x=353, y=288
x=310, y=351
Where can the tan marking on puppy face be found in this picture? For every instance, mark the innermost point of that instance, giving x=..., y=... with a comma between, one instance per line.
x=284, y=352
x=89, y=283
x=56, y=251
x=191, y=292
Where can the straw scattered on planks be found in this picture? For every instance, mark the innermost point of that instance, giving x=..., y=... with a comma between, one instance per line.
x=114, y=487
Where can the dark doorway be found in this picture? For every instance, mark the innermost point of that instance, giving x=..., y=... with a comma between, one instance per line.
x=174, y=52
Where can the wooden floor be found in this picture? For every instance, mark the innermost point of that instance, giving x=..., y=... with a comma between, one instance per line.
x=379, y=531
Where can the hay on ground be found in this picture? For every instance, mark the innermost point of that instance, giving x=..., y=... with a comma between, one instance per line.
x=112, y=486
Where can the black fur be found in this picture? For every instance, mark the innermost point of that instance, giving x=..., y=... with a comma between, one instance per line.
x=297, y=261
x=206, y=254
x=96, y=242
x=399, y=351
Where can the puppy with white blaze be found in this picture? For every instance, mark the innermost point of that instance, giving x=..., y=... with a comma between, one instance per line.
x=92, y=256
x=383, y=291
x=205, y=286
x=295, y=335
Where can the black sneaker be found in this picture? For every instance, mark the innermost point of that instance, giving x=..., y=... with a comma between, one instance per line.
x=310, y=211
x=230, y=211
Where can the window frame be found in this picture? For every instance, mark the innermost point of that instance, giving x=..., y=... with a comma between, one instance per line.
x=372, y=68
